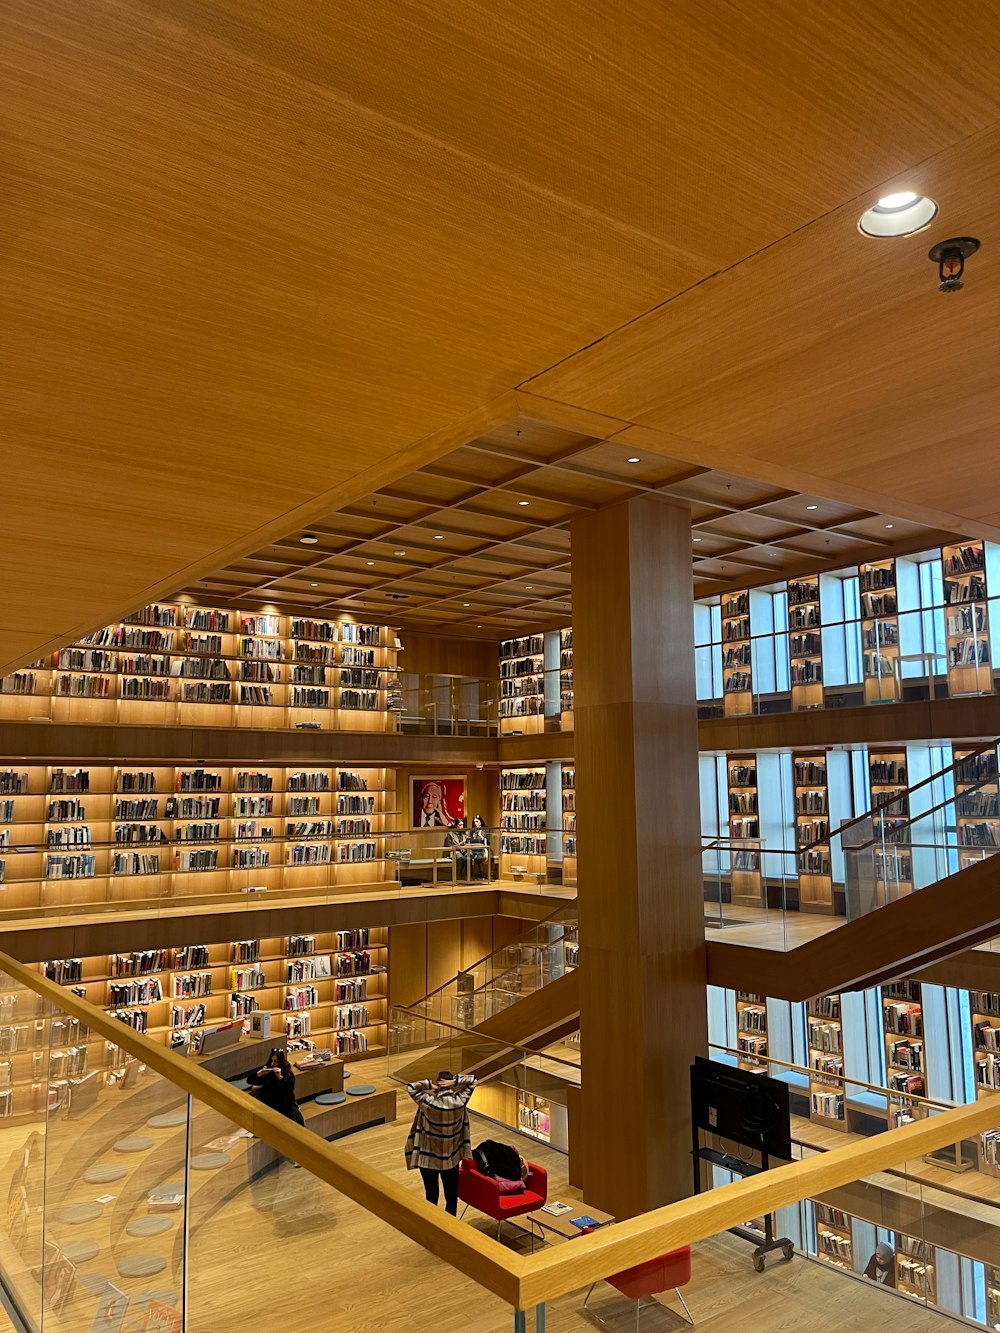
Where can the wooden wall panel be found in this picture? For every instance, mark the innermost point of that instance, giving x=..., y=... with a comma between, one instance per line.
x=444, y=655
x=407, y=963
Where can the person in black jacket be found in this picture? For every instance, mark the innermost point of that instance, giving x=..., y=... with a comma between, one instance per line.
x=277, y=1086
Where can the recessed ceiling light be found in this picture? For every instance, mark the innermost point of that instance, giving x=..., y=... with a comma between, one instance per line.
x=439, y=536
x=697, y=539
x=369, y=562
x=308, y=539
x=527, y=587
x=524, y=503
x=898, y=214
x=632, y=460
x=812, y=506
x=466, y=603
x=890, y=525
x=399, y=552
x=479, y=627
x=314, y=585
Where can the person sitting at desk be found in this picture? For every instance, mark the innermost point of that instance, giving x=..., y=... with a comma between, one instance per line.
x=480, y=848
x=277, y=1086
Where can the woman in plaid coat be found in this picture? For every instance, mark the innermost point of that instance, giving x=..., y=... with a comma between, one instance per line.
x=439, y=1136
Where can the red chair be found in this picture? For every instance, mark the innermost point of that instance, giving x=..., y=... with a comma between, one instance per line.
x=478, y=1191
x=668, y=1273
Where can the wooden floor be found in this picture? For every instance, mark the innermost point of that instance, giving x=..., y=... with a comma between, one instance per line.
x=289, y=1254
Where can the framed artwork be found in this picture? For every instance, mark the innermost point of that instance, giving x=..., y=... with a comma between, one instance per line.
x=436, y=802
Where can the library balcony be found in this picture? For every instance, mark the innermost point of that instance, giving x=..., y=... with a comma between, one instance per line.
x=137, y=1179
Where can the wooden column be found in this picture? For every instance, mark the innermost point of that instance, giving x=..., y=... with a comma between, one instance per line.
x=642, y=931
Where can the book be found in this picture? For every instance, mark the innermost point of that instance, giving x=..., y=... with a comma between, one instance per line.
x=585, y=1221
x=557, y=1209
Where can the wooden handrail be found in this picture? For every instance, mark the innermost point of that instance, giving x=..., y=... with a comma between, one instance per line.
x=522, y=1281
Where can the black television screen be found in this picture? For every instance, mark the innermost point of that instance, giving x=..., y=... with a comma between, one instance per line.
x=745, y=1108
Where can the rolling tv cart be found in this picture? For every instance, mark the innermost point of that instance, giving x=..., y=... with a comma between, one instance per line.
x=752, y=1111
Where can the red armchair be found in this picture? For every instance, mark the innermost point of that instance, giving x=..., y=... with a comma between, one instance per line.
x=668, y=1273
x=478, y=1191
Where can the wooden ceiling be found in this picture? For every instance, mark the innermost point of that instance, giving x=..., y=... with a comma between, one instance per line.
x=258, y=262
x=479, y=540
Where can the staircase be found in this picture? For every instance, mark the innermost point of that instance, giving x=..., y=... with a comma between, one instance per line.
x=510, y=1006
x=950, y=902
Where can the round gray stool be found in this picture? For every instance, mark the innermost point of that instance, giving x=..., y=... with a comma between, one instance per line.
x=134, y=1143
x=331, y=1098
x=141, y=1265
x=80, y=1251
x=148, y=1226
x=168, y=1120
x=209, y=1161
x=73, y=1214
x=104, y=1173
x=361, y=1090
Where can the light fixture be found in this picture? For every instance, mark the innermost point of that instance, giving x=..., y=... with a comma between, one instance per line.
x=527, y=587
x=314, y=585
x=466, y=604
x=308, y=539
x=524, y=503
x=812, y=506
x=898, y=214
x=399, y=552
x=697, y=539
x=632, y=460
x=369, y=562
x=439, y=536
x=890, y=525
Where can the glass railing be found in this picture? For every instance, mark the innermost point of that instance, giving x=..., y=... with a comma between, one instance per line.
x=911, y=838
x=938, y=652
x=440, y=705
x=395, y=863
x=145, y=1192
x=507, y=974
x=925, y=1227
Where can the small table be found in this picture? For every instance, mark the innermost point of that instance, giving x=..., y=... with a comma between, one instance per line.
x=562, y=1225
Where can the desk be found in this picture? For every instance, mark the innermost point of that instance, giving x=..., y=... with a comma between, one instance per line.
x=563, y=1224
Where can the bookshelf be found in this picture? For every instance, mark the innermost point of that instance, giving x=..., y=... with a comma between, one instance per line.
x=566, y=676
x=915, y=1268
x=569, y=823
x=993, y=1296
x=326, y=990
x=834, y=1244
x=751, y=1030
x=826, y=1061
x=805, y=649
x=969, y=570
x=977, y=805
x=985, y=1006
x=534, y=1116
x=522, y=823
x=879, y=630
x=96, y=834
x=737, y=655
x=903, y=1031
x=522, y=685
x=183, y=665
x=812, y=825
x=746, y=881
x=887, y=776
